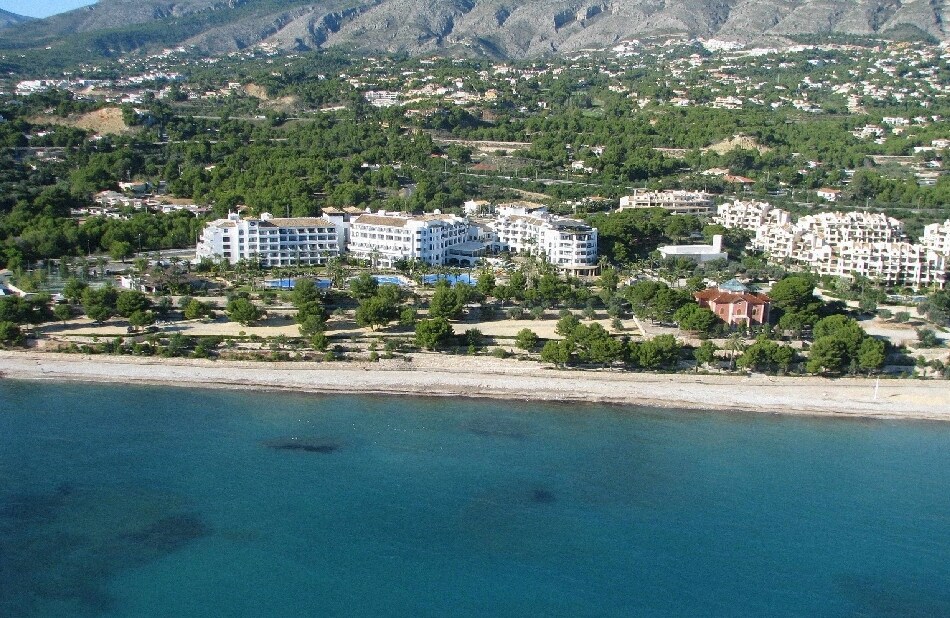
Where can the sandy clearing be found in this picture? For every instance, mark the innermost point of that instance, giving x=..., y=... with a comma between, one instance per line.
x=105, y=121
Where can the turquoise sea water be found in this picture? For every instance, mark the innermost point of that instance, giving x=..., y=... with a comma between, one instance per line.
x=130, y=501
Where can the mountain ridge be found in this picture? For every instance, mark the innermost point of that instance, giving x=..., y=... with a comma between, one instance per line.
x=8, y=19
x=503, y=28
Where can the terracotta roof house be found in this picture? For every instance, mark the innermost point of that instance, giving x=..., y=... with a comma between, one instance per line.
x=735, y=305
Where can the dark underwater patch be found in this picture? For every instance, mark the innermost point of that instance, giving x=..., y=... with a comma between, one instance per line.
x=542, y=496
x=171, y=533
x=59, y=549
x=304, y=445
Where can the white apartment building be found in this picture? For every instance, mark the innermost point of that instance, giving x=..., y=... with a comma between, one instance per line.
x=382, y=98
x=892, y=263
x=274, y=241
x=677, y=202
x=385, y=238
x=848, y=244
x=837, y=227
x=567, y=243
x=750, y=215
x=937, y=237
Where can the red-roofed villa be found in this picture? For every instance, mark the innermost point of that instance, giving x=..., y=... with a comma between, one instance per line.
x=734, y=304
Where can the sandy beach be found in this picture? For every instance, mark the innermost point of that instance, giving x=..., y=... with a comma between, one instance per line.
x=457, y=376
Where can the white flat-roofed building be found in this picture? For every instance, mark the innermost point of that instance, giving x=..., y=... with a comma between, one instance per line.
x=567, y=243
x=385, y=238
x=520, y=208
x=937, y=237
x=696, y=253
x=382, y=98
x=830, y=195
x=273, y=241
x=676, y=202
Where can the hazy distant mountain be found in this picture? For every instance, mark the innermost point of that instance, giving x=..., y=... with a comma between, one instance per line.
x=11, y=19
x=513, y=28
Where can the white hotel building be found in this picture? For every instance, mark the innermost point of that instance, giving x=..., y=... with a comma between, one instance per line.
x=837, y=227
x=384, y=238
x=274, y=241
x=569, y=244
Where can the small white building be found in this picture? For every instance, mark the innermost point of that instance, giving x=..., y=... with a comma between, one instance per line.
x=477, y=207
x=134, y=187
x=830, y=195
x=696, y=253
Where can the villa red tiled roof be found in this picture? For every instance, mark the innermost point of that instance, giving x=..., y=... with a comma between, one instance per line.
x=720, y=297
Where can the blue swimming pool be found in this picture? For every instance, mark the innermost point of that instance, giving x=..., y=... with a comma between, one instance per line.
x=392, y=279
x=452, y=279
x=287, y=283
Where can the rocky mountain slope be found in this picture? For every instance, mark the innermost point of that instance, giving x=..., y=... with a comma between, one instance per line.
x=8, y=19
x=506, y=28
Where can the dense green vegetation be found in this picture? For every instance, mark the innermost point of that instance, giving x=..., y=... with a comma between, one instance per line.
x=237, y=150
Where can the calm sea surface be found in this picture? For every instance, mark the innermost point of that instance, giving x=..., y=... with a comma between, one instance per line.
x=129, y=501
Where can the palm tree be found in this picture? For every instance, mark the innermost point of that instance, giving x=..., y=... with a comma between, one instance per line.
x=422, y=269
x=735, y=344
x=336, y=271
